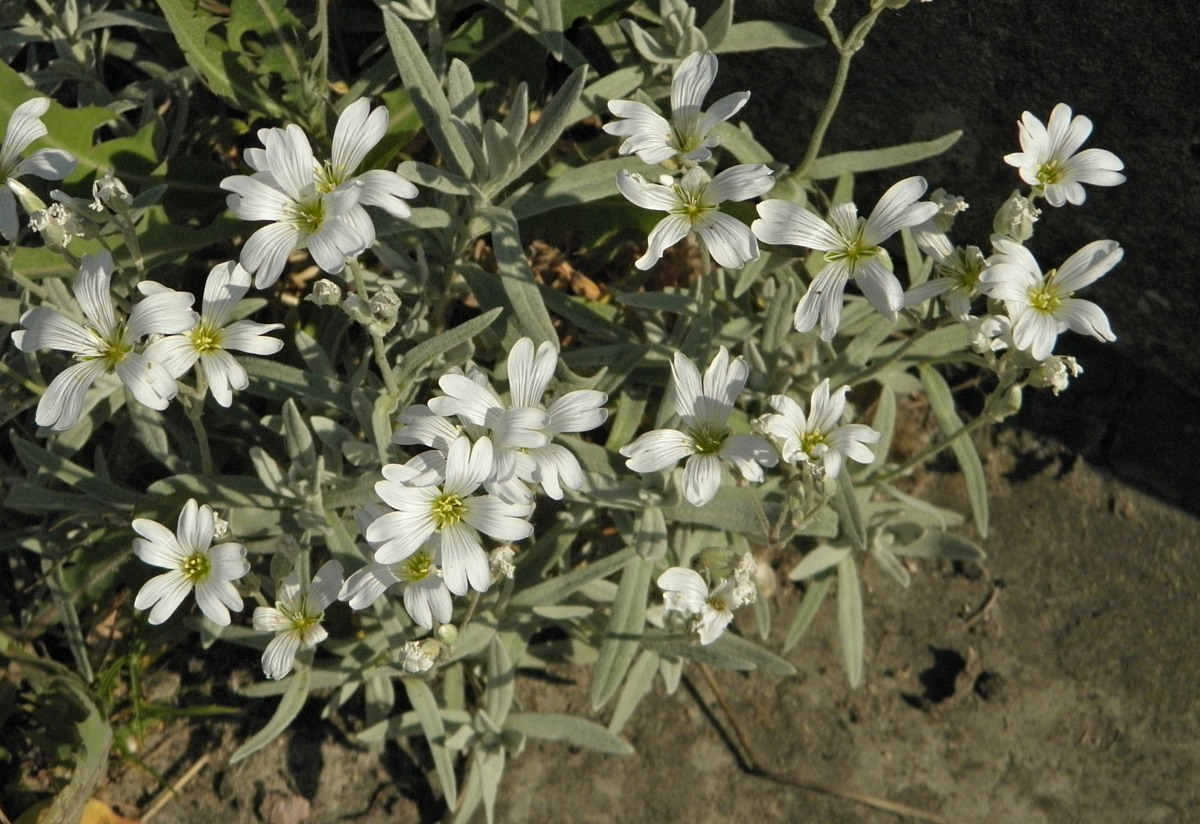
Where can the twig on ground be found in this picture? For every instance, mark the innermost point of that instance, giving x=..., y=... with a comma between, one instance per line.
x=751, y=764
x=993, y=597
x=174, y=790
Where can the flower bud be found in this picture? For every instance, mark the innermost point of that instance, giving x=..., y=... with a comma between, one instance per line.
x=325, y=293
x=1016, y=218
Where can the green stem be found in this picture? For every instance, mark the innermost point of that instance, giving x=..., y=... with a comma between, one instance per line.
x=875, y=368
x=195, y=414
x=377, y=343
x=846, y=49
x=931, y=450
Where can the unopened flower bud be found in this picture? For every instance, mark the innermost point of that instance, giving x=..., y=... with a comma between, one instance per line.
x=325, y=293
x=111, y=192
x=447, y=634
x=1055, y=372
x=1016, y=218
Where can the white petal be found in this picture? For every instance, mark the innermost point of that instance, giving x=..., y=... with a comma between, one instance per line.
x=48, y=164
x=785, y=224
x=578, y=411
x=669, y=231
x=656, y=450
x=326, y=585
x=280, y=655
x=150, y=383
x=499, y=519
x=464, y=563
x=686, y=384
x=530, y=371
x=881, y=287
x=1088, y=265
x=740, y=183
x=224, y=375
x=730, y=241
x=701, y=479
x=687, y=585
x=45, y=328
x=641, y=192
x=897, y=209
x=175, y=353
x=163, y=594
x=62, y=405
x=1086, y=318
x=749, y=454
x=358, y=130
x=93, y=291
x=387, y=190
x=227, y=284
x=266, y=252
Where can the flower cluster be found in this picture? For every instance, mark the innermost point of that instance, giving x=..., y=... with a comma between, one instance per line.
x=692, y=200
x=108, y=342
x=311, y=204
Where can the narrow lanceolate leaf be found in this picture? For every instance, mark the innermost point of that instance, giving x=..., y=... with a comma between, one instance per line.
x=570, y=729
x=516, y=278
x=756, y=35
x=427, y=96
x=850, y=619
x=427, y=351
x=625, y=627
x=850, y=517
x=814, y=596
x=289, y=707
x=554, y=119
x=500, y=686
x=556, y=589
x=578, y=185
x=884, y=423
x=941, y=401
x=425, y=705
x=637, y=685
x=871, y=160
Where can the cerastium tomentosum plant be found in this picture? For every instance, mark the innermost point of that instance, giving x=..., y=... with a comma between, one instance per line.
x=433, y=455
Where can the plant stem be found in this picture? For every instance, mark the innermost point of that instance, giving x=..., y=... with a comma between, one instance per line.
x=846, y=49
x=931, y=450
x=377, y=343
x=195, y=414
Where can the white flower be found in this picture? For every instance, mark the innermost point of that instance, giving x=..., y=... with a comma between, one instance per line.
x=684, y=591
x=990, y=333
x=211, y=339
x=284, y=190
x=436, y=504
x=851, y=247
x=522, y=433
x=1048, y=160
x=58, y=224
x=296, y=617
x=705, y=440
x=193, y=564
x=693, y=203
x=1042, y=306
x=24, y=127
x=425, y=594
x=816, y=439
x=106, y=344
x=957, y=282
x=655, y=140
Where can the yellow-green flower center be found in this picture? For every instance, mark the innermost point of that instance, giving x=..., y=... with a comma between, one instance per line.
x=717, y=603
x=112, y=350
x=855, y=250
x=1050, y=172
x=809, y=441
x=692, y=204
x=416, y=567
x=299, y=617
x=707, y=441
x=329, y=178
x=1045, y=297
x=206, y=338
x=309, y=217
x=449, y=509
x=196, y=568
